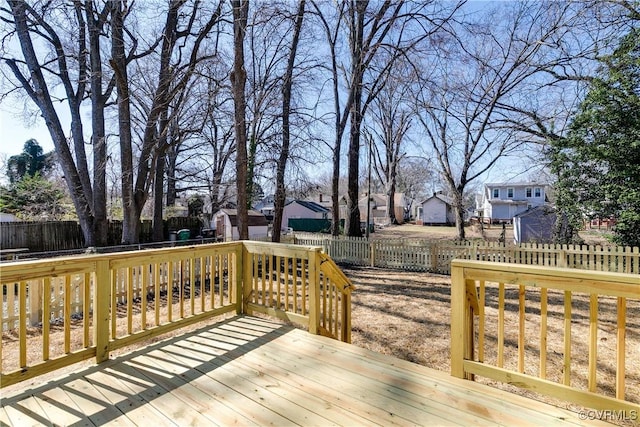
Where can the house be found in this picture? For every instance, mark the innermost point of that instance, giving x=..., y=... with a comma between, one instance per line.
x=378, y=208
x=501, y=202
x=315, y=215
x=436, y=210
x=225, y=223
x=534, y=225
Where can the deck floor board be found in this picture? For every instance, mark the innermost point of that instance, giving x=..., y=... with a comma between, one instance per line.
x=250, y=371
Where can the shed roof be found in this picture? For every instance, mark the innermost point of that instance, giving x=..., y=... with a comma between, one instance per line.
x=441, y=197
x=256, y=219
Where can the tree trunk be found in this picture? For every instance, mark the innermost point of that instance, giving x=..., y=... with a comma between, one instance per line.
x=458, y=207
x=238, y=82
x=98, y=137
x=38, y=91
x=130, y=222
x=171, y=159
x=357, y=64
x=335, y=188
x=158, y=196
x=280, y=195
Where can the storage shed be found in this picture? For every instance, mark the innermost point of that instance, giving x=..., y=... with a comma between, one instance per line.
x=225, y=222
x=437, y=210
x=534, y=225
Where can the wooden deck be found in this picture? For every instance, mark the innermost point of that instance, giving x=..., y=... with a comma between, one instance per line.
x=250, y=371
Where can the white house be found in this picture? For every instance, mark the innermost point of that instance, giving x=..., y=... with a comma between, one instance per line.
x=501, y=202
x=225, y=222
x=437, y=210
x=303, y=209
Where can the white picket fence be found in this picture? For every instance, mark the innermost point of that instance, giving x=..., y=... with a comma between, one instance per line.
x=435, y=255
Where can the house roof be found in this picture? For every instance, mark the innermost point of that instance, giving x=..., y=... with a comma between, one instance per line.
x=441, y=197
x=256, y=219
x=313, y=206
x=380, y=199
x=516, y=184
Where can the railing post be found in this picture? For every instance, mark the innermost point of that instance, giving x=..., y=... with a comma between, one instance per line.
x=101, y=309
x=458, y=320
x=238, y=277
x=314, y=291
x=247, y=278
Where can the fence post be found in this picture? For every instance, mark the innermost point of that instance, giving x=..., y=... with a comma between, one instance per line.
x=372, y=253
x=34, y=292
x=562, y=257
x=101, y=309
x=434, y=258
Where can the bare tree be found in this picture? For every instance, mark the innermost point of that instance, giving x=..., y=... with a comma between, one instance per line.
x=72, y=64
x=286, y=132
x=392, y=28
x=173, y=77
x=390, y=123
x=238, y=82
x=481, y=78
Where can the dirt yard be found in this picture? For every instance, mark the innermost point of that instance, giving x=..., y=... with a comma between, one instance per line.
x=492, y=233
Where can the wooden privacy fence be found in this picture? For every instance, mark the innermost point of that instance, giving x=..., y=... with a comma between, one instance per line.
x=562, y=332
x=58, y=312
x=46, y=236
x=436, y=256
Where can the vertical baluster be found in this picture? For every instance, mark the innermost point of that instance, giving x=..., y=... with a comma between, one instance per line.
x=500, y=325
x=521, y=328
x=22, y=319
x=543, y=333
x=144, y=290
x=67, y=314
x=86, y=308
x=481, y=321
x=170, y=286
x=129, y=300
x=566, y=379
x=192, y=285
x=304, y=284
x=593, y=341
x=620, y=348
x=278, y=279
x=156, y=288
x=46, y=316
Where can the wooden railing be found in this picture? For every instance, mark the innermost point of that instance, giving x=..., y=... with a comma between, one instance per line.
x=58, y=312
x=567, y=333
x=435, y=256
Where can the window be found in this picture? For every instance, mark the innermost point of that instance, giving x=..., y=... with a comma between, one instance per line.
x=510, y=193
x=496, y=193
x=538, y=192
x=529, y=192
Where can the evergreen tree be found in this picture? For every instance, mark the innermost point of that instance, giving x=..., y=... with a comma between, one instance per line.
x=598, y=164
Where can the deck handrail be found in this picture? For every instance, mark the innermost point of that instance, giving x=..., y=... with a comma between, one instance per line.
x=104, y=302
x=531, y=290
x=435, y=255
